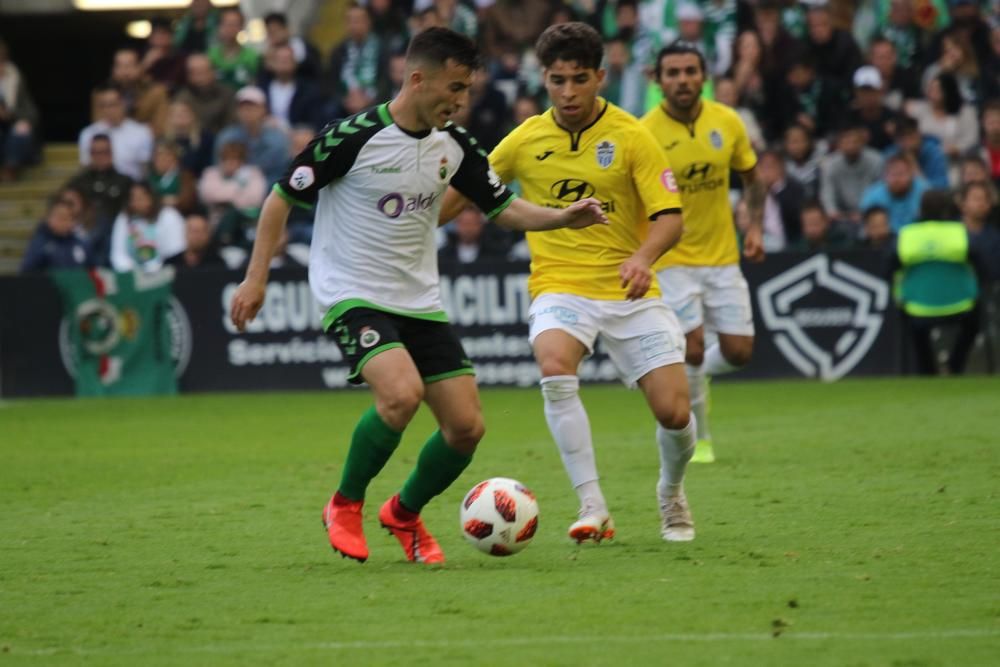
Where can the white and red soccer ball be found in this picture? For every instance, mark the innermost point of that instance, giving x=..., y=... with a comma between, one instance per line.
x=499, y=516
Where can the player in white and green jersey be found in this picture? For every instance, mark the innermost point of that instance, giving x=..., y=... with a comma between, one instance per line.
x=377, y=180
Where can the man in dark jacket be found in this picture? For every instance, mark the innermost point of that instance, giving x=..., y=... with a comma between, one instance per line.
x=57, y=243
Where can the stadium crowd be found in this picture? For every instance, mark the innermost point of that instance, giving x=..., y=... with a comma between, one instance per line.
x=855, y=108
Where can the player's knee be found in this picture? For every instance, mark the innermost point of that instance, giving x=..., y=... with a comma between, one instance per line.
x=559, y=387
x=555, y=366
x=464, y=435
x=398, y=405
x=738, y=354
x=675, y=415
x=695, y=354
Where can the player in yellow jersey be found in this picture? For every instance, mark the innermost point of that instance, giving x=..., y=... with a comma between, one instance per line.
x=599, y=283
x=700, y=277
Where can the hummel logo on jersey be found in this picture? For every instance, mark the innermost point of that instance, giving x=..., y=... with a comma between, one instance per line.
x=544, y=155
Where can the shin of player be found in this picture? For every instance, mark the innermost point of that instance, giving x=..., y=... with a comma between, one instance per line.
x=701, y=278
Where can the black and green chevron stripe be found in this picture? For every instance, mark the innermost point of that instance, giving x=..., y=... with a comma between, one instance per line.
x=338, y=133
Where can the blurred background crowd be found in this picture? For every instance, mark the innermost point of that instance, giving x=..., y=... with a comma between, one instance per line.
x=856, y=108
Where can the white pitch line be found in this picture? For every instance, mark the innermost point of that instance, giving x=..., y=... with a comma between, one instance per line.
x=709, y=637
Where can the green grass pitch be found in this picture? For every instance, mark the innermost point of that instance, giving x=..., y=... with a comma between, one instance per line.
x=849, y=524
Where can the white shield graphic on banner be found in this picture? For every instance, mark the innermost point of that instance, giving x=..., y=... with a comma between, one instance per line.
x=862, y=321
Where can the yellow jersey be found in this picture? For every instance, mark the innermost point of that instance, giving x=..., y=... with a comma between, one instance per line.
x=615, y=160
x=702, y=154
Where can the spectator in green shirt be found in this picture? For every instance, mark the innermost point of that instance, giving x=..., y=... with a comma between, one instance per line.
x=236, y=65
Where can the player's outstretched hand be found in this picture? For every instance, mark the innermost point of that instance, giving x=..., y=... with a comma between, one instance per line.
x=584, y=213
x=753, y=245
x=636, y=276
x=247, y=300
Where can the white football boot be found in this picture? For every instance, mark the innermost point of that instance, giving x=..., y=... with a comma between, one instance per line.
x=594, y=524
x=676, y=523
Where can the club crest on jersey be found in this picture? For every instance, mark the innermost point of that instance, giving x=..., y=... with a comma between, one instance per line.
x=302, y=178
x=605, y=154
x=715, y=138
x=368, y=337
x=443, y=171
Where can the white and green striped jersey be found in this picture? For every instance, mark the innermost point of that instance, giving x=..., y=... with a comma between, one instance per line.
x=377, y=189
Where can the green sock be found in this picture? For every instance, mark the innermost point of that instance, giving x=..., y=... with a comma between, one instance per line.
x=372, y=444
x=437, y=467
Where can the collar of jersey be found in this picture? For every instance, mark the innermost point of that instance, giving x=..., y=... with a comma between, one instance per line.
x=666, y=112
x=574, y=137
x=384, y=112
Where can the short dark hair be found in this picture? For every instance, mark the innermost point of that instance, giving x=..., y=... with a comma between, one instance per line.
x=439, y=45
x=900, y=158
x=276, y=17
x=107, y=87
x=160, y=23
x=875, y=210
x=937, y=205
x=571, y=42
x=101, y=137
x=906, y=124
x=813, y=205
x=972, y=185
x=677, y=48
x=881, y=39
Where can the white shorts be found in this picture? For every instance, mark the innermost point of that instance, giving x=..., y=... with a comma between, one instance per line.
x=639, y=335
x=715, y=296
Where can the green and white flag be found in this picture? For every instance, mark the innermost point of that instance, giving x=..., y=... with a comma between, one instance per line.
x=116, y=331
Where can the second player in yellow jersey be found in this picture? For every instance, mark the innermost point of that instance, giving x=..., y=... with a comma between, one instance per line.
x=702, y=153
x=701, y=278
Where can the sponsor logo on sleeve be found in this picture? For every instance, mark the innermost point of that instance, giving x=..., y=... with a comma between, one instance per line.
x=668, y=180
x=302, y=178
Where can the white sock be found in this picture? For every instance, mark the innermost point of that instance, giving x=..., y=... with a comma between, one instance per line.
x=715, y=363
x=698, y=390
x=676, y=449
x=570, y=428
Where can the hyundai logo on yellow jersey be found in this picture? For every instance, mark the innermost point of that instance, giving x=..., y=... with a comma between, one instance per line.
x=571, y=190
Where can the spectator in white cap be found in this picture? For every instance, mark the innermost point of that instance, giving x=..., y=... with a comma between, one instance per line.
x=267, y=146
x=868, y=107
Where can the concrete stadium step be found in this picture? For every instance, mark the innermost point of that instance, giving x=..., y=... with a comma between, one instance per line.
x=18, y=229
x=61, y=153
x=15, y=209
x=9, y=265
x=13, y=248
x=21, y=190
x=50, y=171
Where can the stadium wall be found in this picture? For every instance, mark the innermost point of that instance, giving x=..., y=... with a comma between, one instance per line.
x=818, y=316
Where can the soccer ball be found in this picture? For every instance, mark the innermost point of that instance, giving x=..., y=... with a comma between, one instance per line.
x=499, y=516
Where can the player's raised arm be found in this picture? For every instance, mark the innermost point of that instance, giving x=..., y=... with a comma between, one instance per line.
x=249, y=296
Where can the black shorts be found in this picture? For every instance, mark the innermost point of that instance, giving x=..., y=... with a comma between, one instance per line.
x=361, y=333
